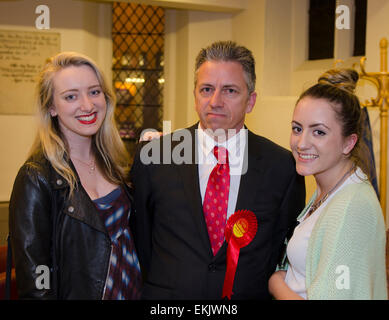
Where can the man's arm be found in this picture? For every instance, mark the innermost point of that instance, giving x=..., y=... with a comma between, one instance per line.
x=293, y=203
x=141, y=217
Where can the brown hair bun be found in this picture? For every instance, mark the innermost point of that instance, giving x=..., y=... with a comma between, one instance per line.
x=345, y=79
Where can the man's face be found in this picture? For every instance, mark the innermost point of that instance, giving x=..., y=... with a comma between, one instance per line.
x=221, y=95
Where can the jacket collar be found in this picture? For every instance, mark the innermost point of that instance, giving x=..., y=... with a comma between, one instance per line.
x=79, y=206
x=255, y=170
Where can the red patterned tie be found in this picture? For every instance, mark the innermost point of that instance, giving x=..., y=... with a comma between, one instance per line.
x=216, y=199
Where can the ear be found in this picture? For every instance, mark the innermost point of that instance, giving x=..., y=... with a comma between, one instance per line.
x=251, y=102
x=349, y=143
x=52, y=111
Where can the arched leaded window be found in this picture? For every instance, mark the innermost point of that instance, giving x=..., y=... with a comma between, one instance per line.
x=138, y=42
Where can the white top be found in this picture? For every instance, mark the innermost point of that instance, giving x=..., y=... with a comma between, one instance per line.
x=207, y=161
x=298, y=243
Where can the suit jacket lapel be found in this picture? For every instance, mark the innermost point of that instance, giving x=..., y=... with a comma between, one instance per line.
x=253, y=175
x=190, y=178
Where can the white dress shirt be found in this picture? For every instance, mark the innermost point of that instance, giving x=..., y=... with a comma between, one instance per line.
x=207, y=161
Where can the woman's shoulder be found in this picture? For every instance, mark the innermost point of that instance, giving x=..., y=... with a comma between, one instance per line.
x=357, y=195
x=33, y=181
x=36, y=167
x=354, y=202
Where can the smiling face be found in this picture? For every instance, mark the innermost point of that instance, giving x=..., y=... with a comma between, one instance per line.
x=221, y=95
x=317, y=143
x=78, y=102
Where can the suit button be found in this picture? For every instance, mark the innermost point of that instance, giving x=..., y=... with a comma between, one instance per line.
x=59, y=182
x=212, y=267
x=71, y=209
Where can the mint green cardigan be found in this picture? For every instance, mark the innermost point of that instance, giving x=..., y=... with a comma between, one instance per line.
x=346, y=250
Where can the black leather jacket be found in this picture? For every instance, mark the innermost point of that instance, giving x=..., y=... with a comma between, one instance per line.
x=41, y=214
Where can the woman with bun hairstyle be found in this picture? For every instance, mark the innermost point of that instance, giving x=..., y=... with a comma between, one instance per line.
x=71, y=203
x=337, y=250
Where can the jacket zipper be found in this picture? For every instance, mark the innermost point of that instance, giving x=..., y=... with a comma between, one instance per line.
x=109, y=267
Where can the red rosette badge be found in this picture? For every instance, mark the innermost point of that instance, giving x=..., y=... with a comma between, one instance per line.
x=240, y=231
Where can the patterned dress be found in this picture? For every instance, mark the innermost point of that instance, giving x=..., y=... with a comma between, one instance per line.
x=124, y=276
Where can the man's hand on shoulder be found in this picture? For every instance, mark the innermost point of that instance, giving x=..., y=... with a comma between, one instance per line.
x=150, y=135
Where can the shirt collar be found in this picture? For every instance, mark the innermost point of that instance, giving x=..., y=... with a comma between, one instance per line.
x=235, y=145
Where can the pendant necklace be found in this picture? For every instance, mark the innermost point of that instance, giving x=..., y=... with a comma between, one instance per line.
x=91, y=165
x=316, y=205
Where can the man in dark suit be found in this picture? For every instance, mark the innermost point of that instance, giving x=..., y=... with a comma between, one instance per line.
x=176, y=234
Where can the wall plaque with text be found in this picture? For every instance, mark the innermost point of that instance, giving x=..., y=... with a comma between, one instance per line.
x=22, y=56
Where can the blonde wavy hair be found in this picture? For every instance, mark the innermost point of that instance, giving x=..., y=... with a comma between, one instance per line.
x=109, y=151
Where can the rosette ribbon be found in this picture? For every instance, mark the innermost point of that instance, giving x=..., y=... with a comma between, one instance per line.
x=240, y=231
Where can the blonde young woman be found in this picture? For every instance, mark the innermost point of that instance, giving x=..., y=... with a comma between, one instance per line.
x=70, y=205
x=338, y=249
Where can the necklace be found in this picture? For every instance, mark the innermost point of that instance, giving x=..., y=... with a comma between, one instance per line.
x=316, y=205
x=91, y=165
